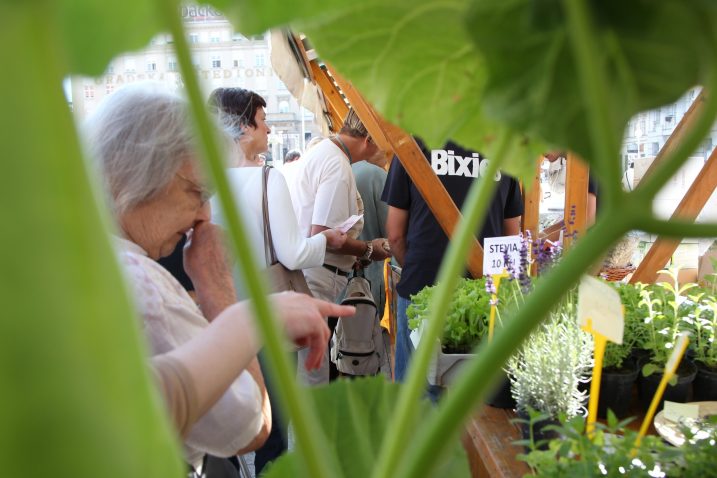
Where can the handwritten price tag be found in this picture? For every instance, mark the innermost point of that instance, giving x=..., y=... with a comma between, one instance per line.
x=494, y=249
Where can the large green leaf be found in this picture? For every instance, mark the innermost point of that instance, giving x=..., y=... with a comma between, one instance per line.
x=77, y=398
x=651, y=52
x=355, y=415
x=412, y=59
x=90, y=32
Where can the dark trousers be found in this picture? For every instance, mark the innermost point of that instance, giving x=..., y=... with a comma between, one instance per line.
x=276, y=444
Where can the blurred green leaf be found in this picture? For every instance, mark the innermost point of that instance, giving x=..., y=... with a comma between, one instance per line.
x=413, y=60
x=355, y=415
x=90, y=32
x=651, y=53
x=77, y=397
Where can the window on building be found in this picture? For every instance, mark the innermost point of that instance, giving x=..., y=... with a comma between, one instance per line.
x=238, y=63
x=216, y=62
x=152, y=66
x=194, y=38
x=215, y=38
x=129, y=65
x=259, y=60
x=654, y=148
x=238, y=37
x=172, y=65
x=283, y=104
x=110, y=69
x=109, y=88
x=89, y=92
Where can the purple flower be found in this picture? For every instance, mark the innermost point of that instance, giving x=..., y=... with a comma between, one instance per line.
x=509, y=266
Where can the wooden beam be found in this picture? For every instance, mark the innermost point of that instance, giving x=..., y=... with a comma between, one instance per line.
x=576, y=198
x=689, y=208
x=338, y=109
x=531, y=215
x=531, y=208
x=391, y=137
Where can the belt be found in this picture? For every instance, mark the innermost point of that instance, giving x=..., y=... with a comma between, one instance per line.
x=336, y=270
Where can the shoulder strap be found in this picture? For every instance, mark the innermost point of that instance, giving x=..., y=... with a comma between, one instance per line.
x=269, y=251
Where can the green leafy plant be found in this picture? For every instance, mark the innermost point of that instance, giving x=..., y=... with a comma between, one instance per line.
x=466, y=322
x=668, y=309
x=612, y=451
x=616, y=354
x=704, y=331
x=502, y=77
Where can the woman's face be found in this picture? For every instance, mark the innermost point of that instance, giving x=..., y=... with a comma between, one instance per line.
x=255, y=139
x=158, y=224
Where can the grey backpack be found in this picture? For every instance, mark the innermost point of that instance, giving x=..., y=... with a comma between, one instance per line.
x=358, y=346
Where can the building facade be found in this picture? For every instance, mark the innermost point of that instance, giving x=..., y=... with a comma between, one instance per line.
x=222, y=58
x=647, y=132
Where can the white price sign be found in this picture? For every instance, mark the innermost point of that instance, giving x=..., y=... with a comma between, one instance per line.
x=494, y=251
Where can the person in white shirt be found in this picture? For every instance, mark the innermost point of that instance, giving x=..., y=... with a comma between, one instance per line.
x=241, y=114
x=323, y=191
x=204, y=354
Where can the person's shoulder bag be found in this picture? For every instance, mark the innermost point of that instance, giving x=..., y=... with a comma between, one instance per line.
x=280, y=278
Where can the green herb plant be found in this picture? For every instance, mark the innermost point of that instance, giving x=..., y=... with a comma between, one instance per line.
x=668, y=308
x=704, y=332
x=611, y=452
x=504, y=77
x=616, y=354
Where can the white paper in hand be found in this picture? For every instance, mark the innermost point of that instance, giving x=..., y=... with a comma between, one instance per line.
x=349, y=223
x=601, y=304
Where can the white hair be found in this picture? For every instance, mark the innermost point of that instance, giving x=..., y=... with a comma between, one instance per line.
x=140, y=136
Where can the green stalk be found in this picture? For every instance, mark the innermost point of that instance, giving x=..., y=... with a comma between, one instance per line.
x=675, y=228
x=460, y=402
x=674, y=160
x=477, y=203
x=310, y=440
x=594, y=89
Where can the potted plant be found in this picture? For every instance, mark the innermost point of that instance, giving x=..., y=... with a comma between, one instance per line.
x=620, y=367
x=547, y=370
x=667, y=306
x=613, y=450
x=465, y=326
x=704, y=347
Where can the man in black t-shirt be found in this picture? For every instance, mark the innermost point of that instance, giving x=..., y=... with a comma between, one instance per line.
x=417, y=241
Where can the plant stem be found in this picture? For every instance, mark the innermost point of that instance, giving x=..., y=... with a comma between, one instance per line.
x=675, y=228
x=310, y=439
x=591, y=74
x=470, y=387
x=476, y=207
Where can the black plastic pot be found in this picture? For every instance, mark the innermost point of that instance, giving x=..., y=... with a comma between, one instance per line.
x=705, y=384
x=680, y=392
x=501, y=396
x=541, y=436
x=616, y=389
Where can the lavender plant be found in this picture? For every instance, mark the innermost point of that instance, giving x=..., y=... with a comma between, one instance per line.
x=546, y=371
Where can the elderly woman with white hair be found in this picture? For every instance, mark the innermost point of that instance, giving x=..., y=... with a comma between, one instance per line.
x=204, y=353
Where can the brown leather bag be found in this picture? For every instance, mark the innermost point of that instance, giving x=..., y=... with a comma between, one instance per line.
x=280, y=278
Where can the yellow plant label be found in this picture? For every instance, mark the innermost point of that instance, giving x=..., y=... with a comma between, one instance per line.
x=600, y=309
x=677, y=353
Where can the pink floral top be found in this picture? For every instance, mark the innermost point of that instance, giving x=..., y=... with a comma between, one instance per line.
x=171, y=318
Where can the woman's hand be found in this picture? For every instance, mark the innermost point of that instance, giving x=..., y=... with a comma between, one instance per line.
x=207, y=264
x=304, y=321
x=334, y=238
